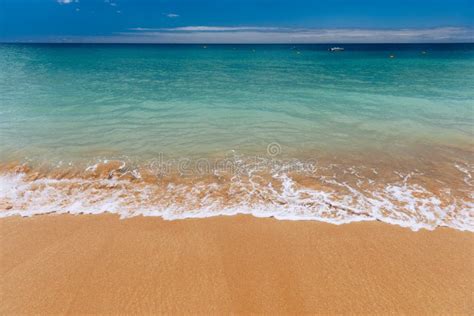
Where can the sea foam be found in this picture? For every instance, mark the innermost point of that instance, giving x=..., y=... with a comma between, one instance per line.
x=327, y=199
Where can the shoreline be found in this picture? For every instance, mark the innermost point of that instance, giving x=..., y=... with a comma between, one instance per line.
x=404, y=195
x=200, y=216
x=102, y=264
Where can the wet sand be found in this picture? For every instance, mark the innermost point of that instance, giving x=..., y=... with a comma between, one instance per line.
x=101, y=264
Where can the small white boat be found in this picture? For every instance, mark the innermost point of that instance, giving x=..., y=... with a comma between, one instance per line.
x=336, y=49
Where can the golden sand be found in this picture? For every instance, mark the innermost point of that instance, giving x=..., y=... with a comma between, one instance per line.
x=101, y=264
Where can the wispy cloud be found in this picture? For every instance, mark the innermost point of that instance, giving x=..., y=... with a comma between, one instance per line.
x=259, y=34
x=172, y=15
x=208, y=29
x=110, y=2
x=256, y=34
x=67, y=1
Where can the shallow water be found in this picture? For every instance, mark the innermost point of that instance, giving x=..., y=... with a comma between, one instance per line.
x=289, y=131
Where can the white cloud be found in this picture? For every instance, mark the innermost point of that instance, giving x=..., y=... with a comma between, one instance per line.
x=67, y=1
x=266, y=35
x=172, y=15
x=215, y=29
x=255, y=34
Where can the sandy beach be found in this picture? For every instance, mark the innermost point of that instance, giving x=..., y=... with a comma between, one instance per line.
x=100, y=264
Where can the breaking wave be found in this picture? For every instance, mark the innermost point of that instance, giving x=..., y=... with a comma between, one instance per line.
x=333, y=193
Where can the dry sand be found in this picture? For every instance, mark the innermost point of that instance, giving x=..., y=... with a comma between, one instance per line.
x=101, y=264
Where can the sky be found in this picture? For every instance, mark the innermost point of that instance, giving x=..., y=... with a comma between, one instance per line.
x=232, y=21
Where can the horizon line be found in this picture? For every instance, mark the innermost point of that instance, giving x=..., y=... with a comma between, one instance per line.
x=236, y=43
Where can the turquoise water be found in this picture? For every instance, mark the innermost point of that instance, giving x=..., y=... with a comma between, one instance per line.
x=84, y=100
x=377, y=132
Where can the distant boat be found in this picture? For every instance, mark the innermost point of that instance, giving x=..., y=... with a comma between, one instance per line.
x=336, y=49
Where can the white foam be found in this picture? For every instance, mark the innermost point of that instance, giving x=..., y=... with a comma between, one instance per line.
x=399, y=203
x=467, y=171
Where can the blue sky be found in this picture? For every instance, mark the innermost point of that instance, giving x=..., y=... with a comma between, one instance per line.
x=216, y=21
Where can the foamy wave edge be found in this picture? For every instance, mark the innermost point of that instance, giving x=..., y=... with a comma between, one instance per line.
x=291, y=204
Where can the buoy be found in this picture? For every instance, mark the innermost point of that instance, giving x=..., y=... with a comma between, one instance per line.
x=392, y=56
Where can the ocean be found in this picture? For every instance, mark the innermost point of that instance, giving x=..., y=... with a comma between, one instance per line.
x=376, y=132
